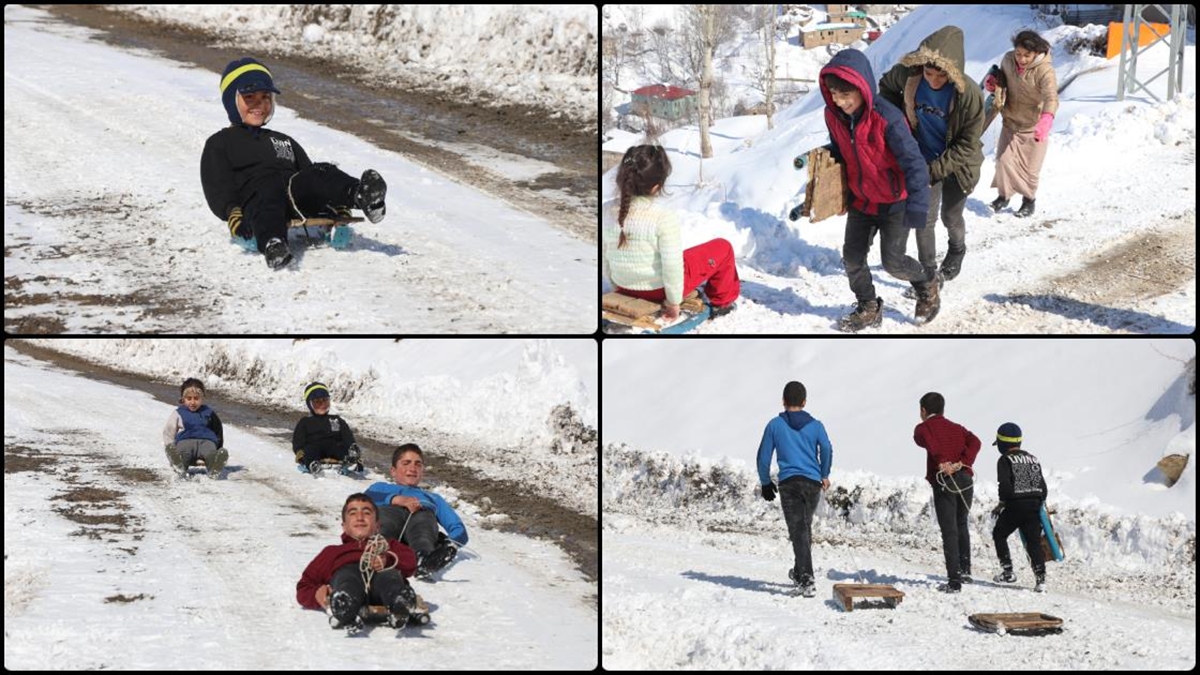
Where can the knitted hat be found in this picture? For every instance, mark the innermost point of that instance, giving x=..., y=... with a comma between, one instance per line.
x=1008, y=436
x=191, y=386
x=243, y=76
x=313, y=391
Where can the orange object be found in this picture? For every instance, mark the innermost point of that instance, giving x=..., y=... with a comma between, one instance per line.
x=1149, y=33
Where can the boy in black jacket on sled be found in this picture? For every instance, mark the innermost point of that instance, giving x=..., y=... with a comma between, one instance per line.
x=257, y=179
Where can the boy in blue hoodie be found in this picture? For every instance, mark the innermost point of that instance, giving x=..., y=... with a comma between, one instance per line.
x=193, y=432
x=888, y=181
x=805, y=457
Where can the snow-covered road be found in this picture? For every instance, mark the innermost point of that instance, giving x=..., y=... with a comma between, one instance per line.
x=112, y=563
x=107, y=230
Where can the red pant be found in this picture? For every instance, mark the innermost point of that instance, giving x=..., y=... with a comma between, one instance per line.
x=711, y=264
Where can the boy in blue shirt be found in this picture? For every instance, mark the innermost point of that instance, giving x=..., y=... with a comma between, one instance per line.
x=412, y=515
x=805, y=456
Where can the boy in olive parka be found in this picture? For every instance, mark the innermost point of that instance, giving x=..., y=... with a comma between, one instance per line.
x=945, y=110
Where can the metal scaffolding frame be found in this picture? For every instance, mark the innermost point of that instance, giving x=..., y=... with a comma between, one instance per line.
x=1131, y=29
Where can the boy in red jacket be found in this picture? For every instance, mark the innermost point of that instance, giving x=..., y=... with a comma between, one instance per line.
x=888, y=181
x=952, y=449
x=334, y=581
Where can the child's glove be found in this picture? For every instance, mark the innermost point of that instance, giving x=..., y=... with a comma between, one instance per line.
x=1043, y=127
x=996, y=511
x=768, y=492
x=235, y=221
x=299, y=456
x=989, y=82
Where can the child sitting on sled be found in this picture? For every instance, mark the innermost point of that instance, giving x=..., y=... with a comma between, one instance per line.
x=258, y=179
x=323, y=436
x=343, y=578
x=193, y=432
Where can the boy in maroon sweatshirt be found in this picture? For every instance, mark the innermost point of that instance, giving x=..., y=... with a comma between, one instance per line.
x=334, y=582
x=951, y=452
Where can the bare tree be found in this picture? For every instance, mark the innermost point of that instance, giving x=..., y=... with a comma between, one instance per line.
x=768, y=33
x=710, y=25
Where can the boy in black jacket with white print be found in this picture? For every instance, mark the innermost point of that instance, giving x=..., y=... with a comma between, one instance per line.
x=322, y=435
x=1022, y=493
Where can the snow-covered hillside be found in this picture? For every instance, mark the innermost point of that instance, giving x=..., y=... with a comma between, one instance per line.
x=1069, y=269
x=112, y=563
x=107, y=228
x=694, y=562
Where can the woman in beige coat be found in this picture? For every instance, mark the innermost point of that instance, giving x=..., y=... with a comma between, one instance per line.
x=1028, y=100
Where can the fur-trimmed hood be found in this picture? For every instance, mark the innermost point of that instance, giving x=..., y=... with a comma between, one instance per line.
x=944, y=49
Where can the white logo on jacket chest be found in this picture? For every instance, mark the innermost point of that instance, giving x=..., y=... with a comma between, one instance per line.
x=283, y=150
x=333, y=424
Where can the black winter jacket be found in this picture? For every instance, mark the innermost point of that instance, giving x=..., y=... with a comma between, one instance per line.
x=236, y=158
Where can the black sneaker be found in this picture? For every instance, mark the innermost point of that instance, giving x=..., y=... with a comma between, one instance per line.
x=1026, y=209
x=999, y=203
x=1005, y=577
x=967, y=578
x=439, y=557
x=865, y=315
x=402, y=607
x=952, y=263
x=720, y=311
x=277, y=254
x=950, y=587
x=342, y=612
x=369, y=197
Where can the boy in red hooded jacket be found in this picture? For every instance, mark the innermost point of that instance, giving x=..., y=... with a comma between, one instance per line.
x=889, y=185
x=334, y=582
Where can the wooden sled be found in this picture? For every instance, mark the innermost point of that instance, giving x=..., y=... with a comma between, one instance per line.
x=845, y=594
x=1028, y=623
x=825, y=195
x=379, y=614
x=646, y=315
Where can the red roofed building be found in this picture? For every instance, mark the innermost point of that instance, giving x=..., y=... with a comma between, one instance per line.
x=664, y=101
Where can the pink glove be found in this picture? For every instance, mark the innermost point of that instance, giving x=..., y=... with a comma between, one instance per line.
x=1043, y=127
x=989, y=83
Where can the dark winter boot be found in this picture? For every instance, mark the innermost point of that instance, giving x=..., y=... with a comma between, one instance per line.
x=342, y=612
x=805, y=587
x=1026, y=209
x=929, y=302
x=353, y=461
x=217, y=465
x=370, y=194
x=721, y=311
x=865, y=315
x=952, y=263
x=932, y=272
x=402, y=607
x=1006, y=576
x=951, y=586
x=439, y=557
x=999, y=203
x=277, y=254
x=1039, y=576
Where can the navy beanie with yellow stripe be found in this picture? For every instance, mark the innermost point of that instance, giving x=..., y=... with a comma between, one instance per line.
x=243, y=76
x=314, y=390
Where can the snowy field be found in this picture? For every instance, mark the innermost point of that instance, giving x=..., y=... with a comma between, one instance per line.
x=695, y=561
x=1111, y=248
x=107, y=230
x=112, y=563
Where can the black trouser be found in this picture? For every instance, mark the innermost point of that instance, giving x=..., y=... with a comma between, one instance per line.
x=798, y=495
x=952, y=201
x=421, y=530
x=386, y=587
x=952, y=509
x=1023, y=515
x=316, y=190
x=893, y=239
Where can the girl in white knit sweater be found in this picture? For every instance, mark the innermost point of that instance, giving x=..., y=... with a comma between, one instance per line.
x=643, y=253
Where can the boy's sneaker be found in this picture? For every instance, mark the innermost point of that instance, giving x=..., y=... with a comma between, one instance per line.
x=1026, y=209
x=217, y=464
x=402, y=607
x=952, y=263
x=1005, y=577
x=950, y=587
x=439, y=557
x=865, y=315
x=370, y=194
x=911, y=292
x=175, y=460
x=806, y=588
x=967, y=578
x=277, y=253
x=352, y=463
x=342, y=613
x=999, y=203
x=316, y=467
x=1040, y=586
x=721, y=311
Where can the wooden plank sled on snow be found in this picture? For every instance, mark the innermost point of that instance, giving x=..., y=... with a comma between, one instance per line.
x=845, y=594
x=1026, y=623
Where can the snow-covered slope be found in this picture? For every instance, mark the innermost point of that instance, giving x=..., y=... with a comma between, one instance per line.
x=111, y=563
x=1020, y=275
